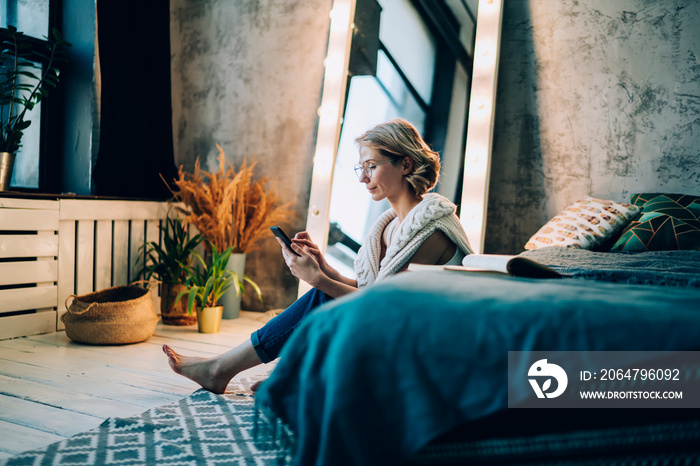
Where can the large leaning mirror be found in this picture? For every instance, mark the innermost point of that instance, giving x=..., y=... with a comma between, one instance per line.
x=411, y=59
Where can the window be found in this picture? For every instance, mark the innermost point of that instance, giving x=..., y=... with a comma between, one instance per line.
x=32, y=18
x=58, y=149
x=28, y=16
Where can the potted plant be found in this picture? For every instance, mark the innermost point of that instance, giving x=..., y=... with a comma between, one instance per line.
x=28, y=72
x=231, y=209
x=205, y=284
x=168, y=264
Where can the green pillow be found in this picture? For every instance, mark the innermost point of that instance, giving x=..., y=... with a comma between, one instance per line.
x=666, y=222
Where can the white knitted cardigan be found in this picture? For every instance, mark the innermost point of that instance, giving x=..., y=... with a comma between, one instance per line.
x=434, y=212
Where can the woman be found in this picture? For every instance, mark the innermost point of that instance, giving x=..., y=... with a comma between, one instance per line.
x=397, y=165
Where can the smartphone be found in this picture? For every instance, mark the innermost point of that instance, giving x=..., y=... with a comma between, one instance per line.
x=278, y=232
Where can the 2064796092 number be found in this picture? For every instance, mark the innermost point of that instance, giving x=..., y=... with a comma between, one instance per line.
x=639, y=374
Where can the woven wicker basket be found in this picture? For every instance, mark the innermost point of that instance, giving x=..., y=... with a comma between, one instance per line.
x=113, y=316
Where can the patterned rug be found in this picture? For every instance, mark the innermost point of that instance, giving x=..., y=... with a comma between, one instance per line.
x=202, y=429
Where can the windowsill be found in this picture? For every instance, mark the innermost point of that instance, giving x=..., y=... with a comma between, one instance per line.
x=48, y=196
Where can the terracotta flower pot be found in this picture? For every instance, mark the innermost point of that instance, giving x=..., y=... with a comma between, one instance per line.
x=173, y=313
x=209, y=319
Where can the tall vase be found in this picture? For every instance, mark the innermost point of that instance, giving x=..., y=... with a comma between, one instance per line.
x=230, y=300
x=7, y=163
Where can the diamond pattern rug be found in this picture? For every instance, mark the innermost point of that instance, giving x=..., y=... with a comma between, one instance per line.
x=202, y=429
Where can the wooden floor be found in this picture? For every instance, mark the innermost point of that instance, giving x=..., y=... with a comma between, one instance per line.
x=52, y=388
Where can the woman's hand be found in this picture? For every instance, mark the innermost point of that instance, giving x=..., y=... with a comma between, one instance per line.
x=310, y=265
x=303, y=264
x=303, y=239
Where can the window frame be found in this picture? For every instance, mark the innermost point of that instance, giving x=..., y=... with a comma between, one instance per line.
x=47, y=106
x=68, y=114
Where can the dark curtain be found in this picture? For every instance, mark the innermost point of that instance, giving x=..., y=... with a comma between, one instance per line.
x=136, y=137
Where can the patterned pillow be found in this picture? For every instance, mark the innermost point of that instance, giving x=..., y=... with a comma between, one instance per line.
x=584, y=224
x=667, y=222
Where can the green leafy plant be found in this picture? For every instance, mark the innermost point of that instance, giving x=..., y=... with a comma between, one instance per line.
x=27, y=71
x=169, y=262
x=206, y=282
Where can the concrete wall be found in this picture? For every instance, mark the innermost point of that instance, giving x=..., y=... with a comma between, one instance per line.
x=247, y=75
x=594, y=97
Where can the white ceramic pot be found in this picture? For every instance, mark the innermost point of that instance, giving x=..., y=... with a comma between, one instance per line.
x=7, y=163
x=231, y=301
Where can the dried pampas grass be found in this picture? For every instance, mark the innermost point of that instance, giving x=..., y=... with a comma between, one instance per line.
x=229, y=208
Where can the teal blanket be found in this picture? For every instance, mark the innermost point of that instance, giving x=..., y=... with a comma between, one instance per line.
x=373, y=377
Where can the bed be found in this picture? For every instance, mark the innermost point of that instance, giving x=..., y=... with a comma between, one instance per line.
x=414, y=370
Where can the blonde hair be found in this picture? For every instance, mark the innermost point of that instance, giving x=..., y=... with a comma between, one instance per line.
x=397, y=139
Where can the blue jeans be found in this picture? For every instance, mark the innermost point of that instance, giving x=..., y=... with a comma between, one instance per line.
x=269, y=340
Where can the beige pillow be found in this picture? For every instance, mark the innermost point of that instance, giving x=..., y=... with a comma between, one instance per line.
x=584, y=224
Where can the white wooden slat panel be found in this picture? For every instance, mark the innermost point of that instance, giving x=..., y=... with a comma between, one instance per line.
x=28, y=219
x=52, y=281
x=103, y=255
x=194, y=231
x=153, y=234
x=15, y=203
x=153, y=231
x=81, y=250
x=28, y=246
x=85, y=209
x=120, y=246
x=20, y=299
x=85, y=257
x=66, y=267
x=138, y=236
x=16, y=273
x=28, y=324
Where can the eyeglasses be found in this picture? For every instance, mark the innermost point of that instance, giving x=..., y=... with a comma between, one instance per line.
x=366, y=169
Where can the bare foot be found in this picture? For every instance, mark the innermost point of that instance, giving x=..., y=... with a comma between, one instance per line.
x=200, y=370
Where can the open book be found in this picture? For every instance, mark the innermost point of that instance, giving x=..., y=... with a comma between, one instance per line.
x=498, y=263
